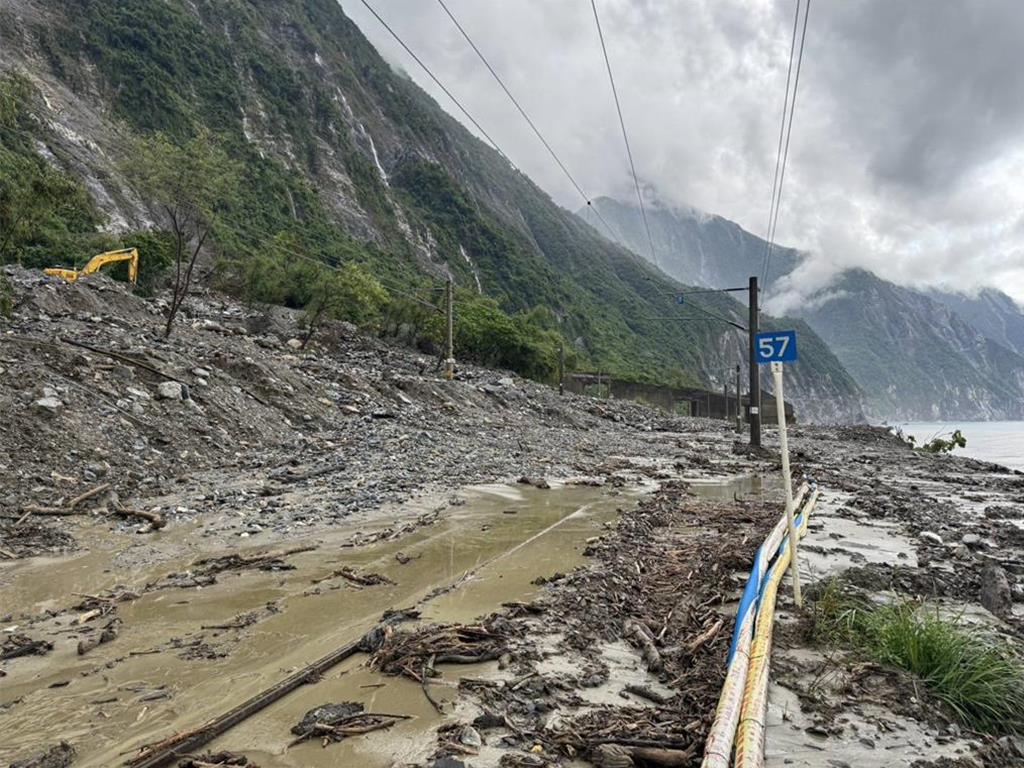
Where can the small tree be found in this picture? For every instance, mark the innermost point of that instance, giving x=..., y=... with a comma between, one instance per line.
x=190, y=185
x=350, y=293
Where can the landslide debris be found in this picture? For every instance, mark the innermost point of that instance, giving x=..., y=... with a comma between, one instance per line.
x=227, y=423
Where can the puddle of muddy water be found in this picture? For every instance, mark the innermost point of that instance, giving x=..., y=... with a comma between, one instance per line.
x=491, y=549
x=745, y=487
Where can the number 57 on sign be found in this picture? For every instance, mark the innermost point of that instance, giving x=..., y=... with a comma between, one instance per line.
x=776, y=347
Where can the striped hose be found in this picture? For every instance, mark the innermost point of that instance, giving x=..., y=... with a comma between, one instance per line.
x=718, y=748
x=750, y=733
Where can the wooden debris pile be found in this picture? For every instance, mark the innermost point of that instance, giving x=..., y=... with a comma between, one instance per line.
x=411, y=652
x=217, y=760
x=17, y=644
x=337, y=722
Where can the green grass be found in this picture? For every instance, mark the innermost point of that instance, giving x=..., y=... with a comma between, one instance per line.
x=979, y=679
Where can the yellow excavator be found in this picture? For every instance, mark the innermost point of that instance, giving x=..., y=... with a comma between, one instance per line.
x=131, y=255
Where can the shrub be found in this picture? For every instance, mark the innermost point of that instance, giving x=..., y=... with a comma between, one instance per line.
x=981, y=680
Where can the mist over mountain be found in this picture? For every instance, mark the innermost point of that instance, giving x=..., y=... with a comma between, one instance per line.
x=916, y=354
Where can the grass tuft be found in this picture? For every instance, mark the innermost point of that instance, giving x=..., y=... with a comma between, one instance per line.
x=980, y=679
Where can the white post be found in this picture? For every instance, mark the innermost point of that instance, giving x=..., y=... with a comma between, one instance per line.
x=780, y=408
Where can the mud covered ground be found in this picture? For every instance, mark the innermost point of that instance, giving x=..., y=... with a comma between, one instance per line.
x=568, y=568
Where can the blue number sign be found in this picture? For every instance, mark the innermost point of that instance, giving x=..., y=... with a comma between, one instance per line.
x=775, y=347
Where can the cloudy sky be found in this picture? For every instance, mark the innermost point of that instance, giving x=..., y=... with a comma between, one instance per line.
x=907, y=154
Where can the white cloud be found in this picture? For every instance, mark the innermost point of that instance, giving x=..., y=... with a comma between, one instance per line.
x=907, y=154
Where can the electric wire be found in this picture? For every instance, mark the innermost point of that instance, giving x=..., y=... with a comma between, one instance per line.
x=433, y=77
x=526, y=117
x=789, y=131
x=625, y=137
x=778, y=150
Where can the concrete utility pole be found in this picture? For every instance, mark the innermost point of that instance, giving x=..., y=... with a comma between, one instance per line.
x=755, y=385
x=739, y=404
x=449, y=361
x=561, y=369
x=787, y=479
x=725, y=395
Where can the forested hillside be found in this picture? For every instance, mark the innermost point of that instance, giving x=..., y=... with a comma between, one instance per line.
x=302, y=147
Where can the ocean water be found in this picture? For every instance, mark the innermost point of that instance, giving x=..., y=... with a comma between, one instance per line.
x=999, y=441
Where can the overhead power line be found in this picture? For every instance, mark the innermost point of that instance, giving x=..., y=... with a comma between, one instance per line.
x=787, y=125
x=526, y=117
x=433, y=77
x=625, y=137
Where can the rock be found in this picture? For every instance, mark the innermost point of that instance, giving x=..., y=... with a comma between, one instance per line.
x=995, y=591
x=931, y=537
x=471, y=737
x=138, y=394
x=49, y=405
x=536, y=482
x=171, y=390
x=294, y=344
x=202, y=373
x=963, y=553
x=58, y=756
x=972, y=540
x=447, y=762
x=506, y=382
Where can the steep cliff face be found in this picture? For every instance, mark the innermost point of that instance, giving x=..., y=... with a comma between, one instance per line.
x=350, y=159
x=916, y=355
x=916, y=358
x=992, y=312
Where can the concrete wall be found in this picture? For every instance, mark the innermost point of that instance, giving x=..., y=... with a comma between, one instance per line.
x=683, y=401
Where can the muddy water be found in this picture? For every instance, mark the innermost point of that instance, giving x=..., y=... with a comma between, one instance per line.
x=488, y=550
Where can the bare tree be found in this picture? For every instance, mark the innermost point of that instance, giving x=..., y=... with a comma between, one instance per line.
x=190, y=184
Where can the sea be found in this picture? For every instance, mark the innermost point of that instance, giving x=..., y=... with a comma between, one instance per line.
x=1001, y=442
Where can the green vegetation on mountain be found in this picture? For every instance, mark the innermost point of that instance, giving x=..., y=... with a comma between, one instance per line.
x=308, y=112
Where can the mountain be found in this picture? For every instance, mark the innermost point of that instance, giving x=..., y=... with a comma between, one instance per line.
x=917, y=355
x=343, y=159
x=992, y=312
x=915, y=358
x=691, y=246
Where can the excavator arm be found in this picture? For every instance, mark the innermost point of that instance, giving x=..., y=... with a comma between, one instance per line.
x=131, y=255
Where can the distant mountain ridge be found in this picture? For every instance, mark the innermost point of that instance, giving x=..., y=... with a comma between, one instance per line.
x=916, y=354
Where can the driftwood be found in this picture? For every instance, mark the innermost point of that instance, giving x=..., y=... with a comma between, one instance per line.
x=624, y=756
x=71, y=508
x=646, y=692
x=704, y=637
x=642, y=636
x=157, y=521
x=110, y=632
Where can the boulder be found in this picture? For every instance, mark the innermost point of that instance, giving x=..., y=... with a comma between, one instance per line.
x=995, y=591
x=48, y=405
x=931, y=537
x=171, y=390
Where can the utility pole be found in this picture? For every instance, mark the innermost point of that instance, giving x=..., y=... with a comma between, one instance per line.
x=739, y=404
x=725, y=395
x=449, y=362
x=755, y=384
x=561, y=368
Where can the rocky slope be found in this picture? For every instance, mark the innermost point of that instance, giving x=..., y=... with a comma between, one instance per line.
x=917, y=355
x=992, y=312
x=351, y=160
